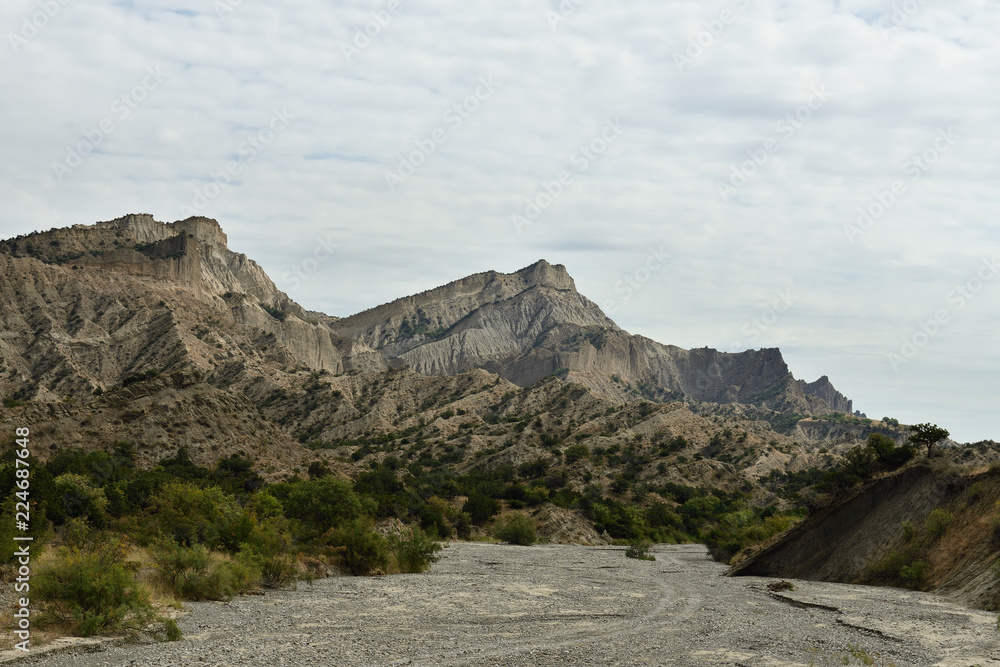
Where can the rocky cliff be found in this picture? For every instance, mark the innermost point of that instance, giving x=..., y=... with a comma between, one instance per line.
x=89, y=306
x=532, y=323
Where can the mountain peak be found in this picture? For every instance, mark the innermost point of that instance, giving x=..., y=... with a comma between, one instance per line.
x=145, y=229
x=544, y=274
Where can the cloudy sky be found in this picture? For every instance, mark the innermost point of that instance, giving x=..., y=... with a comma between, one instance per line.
x=817, y=176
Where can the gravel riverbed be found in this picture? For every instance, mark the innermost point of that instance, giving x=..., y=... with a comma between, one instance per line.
x=486, y=604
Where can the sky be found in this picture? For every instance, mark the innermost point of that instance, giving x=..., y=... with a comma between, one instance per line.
x=816, y=176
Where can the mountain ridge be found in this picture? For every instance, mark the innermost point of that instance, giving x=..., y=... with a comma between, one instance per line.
x=523, y=325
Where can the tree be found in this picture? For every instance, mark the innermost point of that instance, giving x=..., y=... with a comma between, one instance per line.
x=927, y=434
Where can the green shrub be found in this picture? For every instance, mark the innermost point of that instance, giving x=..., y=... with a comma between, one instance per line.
x=480, y=507
x=78, y=499
x=171, y=632
x=909, y=532
x=194, y=573
x=516, y=528
x=995, y=530
x=188, y=515
x=415, y=551
x=92, y=591
x=364, y=551
x=899, y=568
x=937, y=521
x=324, y=503
x=434, y=516
x=976, y=491
x=639, y=549
x=914, y=575
x=269, y=549
x=577, y=452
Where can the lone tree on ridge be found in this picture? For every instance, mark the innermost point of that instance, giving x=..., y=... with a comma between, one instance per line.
x=927, y=434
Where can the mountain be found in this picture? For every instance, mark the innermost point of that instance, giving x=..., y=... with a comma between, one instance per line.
x=134, y=329
x=90, y=305
x=533, y=323
x=87, y=307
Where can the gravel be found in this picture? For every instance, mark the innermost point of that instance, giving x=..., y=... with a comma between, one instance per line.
x=486, y=604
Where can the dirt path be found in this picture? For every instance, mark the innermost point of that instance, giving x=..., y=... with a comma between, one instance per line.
x=567, y=605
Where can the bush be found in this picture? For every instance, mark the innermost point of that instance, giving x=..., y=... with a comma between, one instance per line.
x=188, y=515
x=914, y=575
x=937, y=521
x=639, y=549
x=77, y=498
x=324, y=503
x=415, y=551
x=516, y=528
x=93, y=591
x=194, y=573
x=363, y=551
x=577, y=452
x=480, y=508
x=269, y=548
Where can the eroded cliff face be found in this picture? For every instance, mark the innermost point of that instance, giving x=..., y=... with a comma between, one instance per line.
x=533, y=323
x=842, y=542
x=88, y=306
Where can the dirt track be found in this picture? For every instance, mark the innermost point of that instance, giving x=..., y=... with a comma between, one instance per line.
x=568, y=605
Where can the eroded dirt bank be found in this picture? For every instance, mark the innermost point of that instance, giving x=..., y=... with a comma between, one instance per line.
x=569, y=605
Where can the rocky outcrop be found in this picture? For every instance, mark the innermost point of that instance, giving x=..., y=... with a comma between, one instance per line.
x=824, y=389
x=89, y=306
x=533, y=323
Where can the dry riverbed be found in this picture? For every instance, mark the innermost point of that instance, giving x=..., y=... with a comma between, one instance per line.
x=485, y=604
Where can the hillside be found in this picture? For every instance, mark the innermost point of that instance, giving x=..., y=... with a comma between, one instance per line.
x=932, y=526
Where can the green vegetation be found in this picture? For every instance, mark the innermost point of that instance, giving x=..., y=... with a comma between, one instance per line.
x=927, y=435
x=907, y=567
x=879, y=454
x=93, y=590
x=276, y=313
x=516, y=528
x=639, y=549
x=208, y=534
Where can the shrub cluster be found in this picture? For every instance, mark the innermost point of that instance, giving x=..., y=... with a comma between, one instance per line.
x=210, y=533
x=516, y=528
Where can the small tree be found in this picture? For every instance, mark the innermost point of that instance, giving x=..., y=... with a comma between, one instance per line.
x=927, y=435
